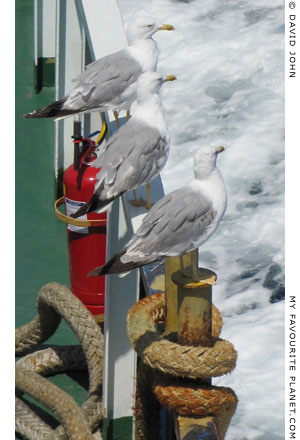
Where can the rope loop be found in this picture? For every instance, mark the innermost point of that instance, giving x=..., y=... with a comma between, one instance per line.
x=54, y=302
x=188, y=394
x=169, y=357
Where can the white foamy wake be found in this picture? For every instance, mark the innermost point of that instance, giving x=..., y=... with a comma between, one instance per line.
x=229, y=61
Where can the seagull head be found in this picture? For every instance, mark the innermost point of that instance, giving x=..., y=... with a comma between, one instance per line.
x=150, y=83
x=143, y=27
x=205, y=160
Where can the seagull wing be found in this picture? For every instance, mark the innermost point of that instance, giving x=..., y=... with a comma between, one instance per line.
x=171, y=228
x=108, y=83
x=134, y=156
x=175, y=225
x=104, y=81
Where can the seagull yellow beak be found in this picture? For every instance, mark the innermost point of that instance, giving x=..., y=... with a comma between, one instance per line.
x=220, y=149
x=166, y=27
x=169, y=78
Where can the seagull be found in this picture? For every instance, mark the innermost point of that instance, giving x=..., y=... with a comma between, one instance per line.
x=109, y=83
x=135, y=153
x=181, y=221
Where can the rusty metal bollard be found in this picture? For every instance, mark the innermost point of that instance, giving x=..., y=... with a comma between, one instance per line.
x=172, y=264
x=194, y=328
x=194, y=308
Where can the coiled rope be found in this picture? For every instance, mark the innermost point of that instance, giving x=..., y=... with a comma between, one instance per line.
x=77, y=423
x=170, y=360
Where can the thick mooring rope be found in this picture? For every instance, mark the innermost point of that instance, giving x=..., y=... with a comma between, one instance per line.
x=55, y=301
x=170, y=359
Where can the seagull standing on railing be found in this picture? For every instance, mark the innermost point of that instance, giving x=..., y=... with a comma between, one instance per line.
x=135, y=153
x=109, y=83
x=178, y=223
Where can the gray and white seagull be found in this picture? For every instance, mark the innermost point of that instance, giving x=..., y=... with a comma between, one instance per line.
x=109, y=83
x=135, y=153
x=181, y=221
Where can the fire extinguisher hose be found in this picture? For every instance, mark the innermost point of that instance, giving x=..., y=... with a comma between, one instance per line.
x=102, y=133
x=72, y=221
x=77, y=423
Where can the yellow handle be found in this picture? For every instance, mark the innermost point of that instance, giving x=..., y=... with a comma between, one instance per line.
x=72, y=221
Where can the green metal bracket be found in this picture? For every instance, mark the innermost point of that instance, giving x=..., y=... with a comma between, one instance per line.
x=44, y=73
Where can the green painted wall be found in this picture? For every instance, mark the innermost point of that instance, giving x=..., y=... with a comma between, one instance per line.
x=41, y=246
x=41, y=254
x=41, y=242
x=117, y=429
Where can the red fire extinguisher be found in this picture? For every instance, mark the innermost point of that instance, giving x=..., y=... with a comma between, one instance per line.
x=87, y=234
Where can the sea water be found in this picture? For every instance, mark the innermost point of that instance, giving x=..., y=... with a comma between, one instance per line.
x=228, y=57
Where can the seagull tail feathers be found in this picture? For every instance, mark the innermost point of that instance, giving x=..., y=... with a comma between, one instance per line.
x=54, y=110
x=114, y=265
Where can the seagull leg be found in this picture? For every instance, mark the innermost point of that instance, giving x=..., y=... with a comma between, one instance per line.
x=137, y=202
x=134, y=195
x=127, y=115
x=194, y=259
x=141, y=202
x=191, y=271
x=116, y=115
x=149, y=204
x=184, y=270
x=181, y=264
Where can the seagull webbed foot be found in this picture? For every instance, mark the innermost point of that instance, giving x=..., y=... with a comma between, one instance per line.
x=138, y=202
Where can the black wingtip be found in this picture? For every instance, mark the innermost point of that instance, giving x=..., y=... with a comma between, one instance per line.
x=32, y=115
x=102, y=270
x=27, y=116
x=53, y=110
x=114, y=265
x=90, y=206
x=109, y=267
x=84, y=209
x=95, y=272
x=93, y=205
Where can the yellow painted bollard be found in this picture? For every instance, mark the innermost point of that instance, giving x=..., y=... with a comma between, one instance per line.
x=194, y=328
x=172, y=264
x=194, y=308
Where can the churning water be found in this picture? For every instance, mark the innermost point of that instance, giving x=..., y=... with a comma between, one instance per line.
x=229, y=61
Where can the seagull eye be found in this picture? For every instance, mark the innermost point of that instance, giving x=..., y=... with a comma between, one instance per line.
x=149, y=26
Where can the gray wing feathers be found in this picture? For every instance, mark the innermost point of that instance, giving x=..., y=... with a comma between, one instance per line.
x=132, y=158
x=104, y=79
x=172, y=226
